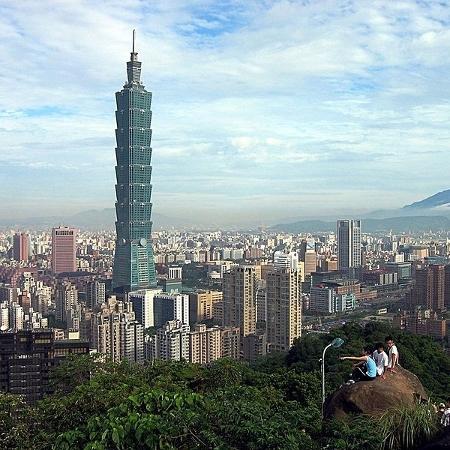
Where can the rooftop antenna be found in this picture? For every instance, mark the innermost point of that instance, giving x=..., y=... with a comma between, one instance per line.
x=133, y=53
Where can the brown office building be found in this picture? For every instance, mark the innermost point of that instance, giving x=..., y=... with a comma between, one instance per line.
x=429, y=289
x=64, y=250
x=21, y=247
x=447, y=287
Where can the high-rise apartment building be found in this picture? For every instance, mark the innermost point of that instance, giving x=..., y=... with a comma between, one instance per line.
x=239, y=299
x=134, y=266
x=21, y=247
x=171, y=342
x=16, y=317
x=41, y=296
x=95, y=293
x=201, y=305
x=261, y=306
x=205, y=344
x=64, y=250
x=447, y=288
x=231, y=342
x=429, y=289
x=66, y=299
x=116, y=332
x=283, y=300
x=175, y=341
x=254, y=345
x=8, y=293
x=422, y=321
x=349, y=243
x=4, y=316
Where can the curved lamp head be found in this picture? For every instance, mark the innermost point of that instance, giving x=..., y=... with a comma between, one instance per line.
x=337, y=342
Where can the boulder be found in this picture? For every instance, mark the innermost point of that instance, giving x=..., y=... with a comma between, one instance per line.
x=374, y=397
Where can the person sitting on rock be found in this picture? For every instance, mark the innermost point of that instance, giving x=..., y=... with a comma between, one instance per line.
x=365, y=369
x=381, y=360
x=392, y=354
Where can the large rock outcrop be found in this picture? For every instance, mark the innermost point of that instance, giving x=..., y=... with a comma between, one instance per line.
x=374, y=397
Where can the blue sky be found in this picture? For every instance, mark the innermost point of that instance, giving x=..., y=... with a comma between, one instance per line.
x=262, y=110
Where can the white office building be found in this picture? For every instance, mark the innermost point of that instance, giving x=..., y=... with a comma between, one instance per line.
x=143, y=305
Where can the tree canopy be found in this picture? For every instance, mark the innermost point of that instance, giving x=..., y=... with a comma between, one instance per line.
x=274, y=403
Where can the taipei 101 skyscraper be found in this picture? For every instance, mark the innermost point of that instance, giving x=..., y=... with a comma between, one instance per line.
x=134, y=266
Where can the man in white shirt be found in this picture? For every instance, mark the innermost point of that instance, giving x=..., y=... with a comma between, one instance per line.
x=381, y=360
x=392, y=354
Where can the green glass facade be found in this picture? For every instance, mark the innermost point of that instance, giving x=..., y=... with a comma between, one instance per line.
x=134, y=266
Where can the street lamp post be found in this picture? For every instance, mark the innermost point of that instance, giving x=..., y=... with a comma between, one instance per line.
x=336, y=342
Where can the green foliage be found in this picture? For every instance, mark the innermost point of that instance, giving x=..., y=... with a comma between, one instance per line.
x=408, y=426
x=274, y=403
x=13, y=426
x=354, y=434
x=152, y=419
x=225, y=405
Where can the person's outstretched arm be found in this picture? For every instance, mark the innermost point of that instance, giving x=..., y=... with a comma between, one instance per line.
x=353, y=358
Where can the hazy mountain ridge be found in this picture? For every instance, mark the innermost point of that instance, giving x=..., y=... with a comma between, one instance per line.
x=394, y=224
x=437, y=200
x=431, y=213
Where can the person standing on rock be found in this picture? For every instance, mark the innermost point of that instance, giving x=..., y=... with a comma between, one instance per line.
x=381, y=360
x=392, y=354
x=365, y=369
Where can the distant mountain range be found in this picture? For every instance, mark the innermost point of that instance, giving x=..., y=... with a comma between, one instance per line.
x=431, y=213
x=440, y=200
x=394, y=224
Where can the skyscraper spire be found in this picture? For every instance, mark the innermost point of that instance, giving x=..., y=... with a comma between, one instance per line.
x=134, y=54
x=133, y=65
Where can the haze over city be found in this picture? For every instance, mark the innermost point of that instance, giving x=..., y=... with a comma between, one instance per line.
x=261, y=110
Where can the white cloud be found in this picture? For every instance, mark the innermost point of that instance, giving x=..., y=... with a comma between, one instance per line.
x=300, y=90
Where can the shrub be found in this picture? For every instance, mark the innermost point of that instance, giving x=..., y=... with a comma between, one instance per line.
x=407, y=426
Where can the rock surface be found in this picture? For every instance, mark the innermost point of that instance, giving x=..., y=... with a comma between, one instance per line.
x=374, y=397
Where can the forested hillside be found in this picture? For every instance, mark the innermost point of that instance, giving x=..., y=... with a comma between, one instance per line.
x=276, y=403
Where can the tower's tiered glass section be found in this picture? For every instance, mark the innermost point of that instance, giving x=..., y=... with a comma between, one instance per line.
x=134, y=266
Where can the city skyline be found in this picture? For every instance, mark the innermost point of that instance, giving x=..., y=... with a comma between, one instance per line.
x=257, y=109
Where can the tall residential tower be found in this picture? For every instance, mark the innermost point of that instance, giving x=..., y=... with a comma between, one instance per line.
x=134, y=266
x=349, y=243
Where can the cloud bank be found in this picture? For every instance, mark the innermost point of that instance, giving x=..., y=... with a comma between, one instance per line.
x=260, y=109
